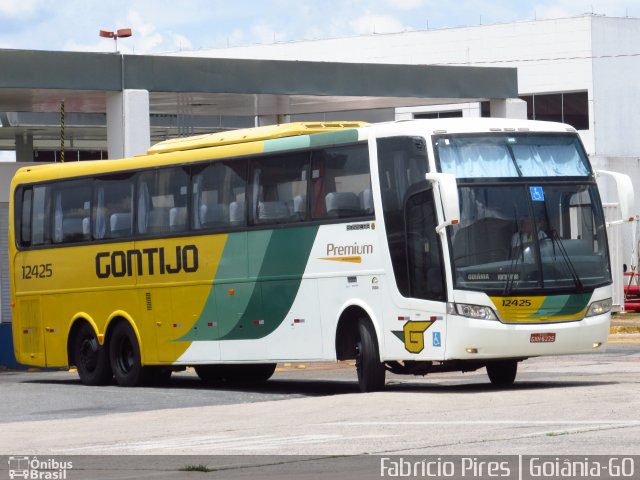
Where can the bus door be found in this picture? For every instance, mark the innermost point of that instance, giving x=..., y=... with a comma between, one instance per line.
x=424, y=335
x=415, y=322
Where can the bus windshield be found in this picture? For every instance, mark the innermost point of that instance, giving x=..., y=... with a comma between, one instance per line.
x=512, y=155
x=523, y=238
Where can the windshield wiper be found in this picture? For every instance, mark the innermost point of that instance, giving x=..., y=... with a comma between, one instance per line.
x=556, y=240
x=513, y=255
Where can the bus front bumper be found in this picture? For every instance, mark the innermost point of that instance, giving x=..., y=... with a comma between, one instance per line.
x=472, y=339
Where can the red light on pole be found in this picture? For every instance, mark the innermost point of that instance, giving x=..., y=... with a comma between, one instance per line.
x=120, y=33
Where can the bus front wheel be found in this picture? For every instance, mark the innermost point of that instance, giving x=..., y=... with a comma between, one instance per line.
x=91, y=358
x=124, y=355
x=502, y=373
x=371, y=371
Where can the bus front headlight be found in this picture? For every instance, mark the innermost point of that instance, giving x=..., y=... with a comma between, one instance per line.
x=479, y=312
x=600, y=307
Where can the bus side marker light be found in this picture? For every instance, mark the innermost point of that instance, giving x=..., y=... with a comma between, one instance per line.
x=101, y=339
x=212, y=324
x=177, y=325
x=596, y=344
x=472, y=350
x=258, y=322
x=404, y=319
x=298, y=320
x=231, y=291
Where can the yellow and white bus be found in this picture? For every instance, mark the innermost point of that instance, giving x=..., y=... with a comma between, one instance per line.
x=414, y=247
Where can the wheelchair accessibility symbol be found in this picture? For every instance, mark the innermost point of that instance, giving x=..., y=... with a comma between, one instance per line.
x=537, y=194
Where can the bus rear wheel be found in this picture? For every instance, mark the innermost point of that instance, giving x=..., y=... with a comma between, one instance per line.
x=371, y=371
x=502, y=373
x=91, y=358
x=124, y=356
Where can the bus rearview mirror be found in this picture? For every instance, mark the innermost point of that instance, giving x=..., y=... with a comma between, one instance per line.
x=446, y=188
x=626, y=197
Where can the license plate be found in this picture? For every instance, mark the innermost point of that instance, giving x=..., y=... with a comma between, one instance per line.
x=542, y=338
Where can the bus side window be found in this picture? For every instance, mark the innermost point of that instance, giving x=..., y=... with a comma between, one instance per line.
x=402, y=161
x=279, y=188
x=218, y=194
x=113, y=207
x=71, y=213
x=26, y=206
x=41, y=216
x=162, y=201
x=424, y=256
x=341, y=182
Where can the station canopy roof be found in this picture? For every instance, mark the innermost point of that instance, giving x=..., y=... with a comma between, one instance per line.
x=210, y=94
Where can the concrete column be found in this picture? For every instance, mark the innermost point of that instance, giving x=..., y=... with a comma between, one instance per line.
x=509, y=108
x=24, y=147
x=128, y=125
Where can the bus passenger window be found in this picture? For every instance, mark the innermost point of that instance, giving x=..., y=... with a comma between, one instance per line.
x=25, y=217
x=41, y=216
x=113, y=207
x=71, y=213
x=341, y=182
x=162, y=201
x=218, y=195
x=279, y=188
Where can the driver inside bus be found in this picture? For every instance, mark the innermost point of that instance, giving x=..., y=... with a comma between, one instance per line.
x=526, y=232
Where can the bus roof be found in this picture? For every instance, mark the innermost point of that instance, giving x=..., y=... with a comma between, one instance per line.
x=246, y=135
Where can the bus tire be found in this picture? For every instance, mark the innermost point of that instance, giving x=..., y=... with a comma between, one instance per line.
x=502, y=373
x=91, y=358
x=371, y=371
x=124, y=355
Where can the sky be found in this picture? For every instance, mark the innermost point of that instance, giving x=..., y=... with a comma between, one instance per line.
x=161, y=26
x=173, y=25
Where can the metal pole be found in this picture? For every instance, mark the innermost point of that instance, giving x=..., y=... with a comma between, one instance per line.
x=62, y=131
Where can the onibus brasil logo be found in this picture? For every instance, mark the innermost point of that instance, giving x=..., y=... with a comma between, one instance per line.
x=38, y=469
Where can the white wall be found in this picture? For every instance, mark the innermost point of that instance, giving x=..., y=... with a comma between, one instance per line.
x=550, y=55
x=7, y=170
x=616, y=90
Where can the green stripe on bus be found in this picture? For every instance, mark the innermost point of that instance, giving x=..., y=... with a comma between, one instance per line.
x=313, y=141
x=279, y=280
x=561, y=305
x=332, y=138
x=253, y=306
x=286, y=143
